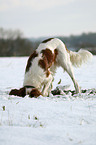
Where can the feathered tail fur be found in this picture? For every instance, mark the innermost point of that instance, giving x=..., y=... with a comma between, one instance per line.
x=77, y=58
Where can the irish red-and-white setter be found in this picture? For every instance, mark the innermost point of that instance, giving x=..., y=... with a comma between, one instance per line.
x=42, y=64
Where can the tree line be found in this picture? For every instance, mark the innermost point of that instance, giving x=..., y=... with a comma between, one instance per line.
x=13, y=43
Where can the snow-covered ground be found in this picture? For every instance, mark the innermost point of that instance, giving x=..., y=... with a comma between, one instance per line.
x=54, y=120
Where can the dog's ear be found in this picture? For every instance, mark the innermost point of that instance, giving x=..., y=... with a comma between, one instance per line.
x=21, y=92
x=35, y=93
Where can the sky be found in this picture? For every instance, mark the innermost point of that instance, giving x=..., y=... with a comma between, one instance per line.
x=36, y=18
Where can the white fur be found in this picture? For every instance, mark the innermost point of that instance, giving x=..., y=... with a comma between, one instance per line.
x=36, y=76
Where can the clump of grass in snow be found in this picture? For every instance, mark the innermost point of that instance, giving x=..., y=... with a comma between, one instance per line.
x=3, y=108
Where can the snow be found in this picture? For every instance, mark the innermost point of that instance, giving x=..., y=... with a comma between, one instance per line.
x=54, y=120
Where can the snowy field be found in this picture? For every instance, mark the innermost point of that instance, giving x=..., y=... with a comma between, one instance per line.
x=54, y=120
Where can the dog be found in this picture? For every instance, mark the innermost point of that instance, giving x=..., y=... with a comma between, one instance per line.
x=42, y=64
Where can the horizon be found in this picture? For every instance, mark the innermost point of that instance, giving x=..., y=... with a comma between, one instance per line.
x=74, y=35
x=45, y=36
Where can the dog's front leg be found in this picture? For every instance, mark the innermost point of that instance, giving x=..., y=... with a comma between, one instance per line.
x=47, y=86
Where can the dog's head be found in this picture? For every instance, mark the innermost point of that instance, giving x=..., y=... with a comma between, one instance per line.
x=22, y=92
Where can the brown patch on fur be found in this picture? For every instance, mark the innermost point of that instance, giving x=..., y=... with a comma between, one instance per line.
x=35, y=93
x=48, y=56
x=47, y=60
x=21, y=92
x=67, y=49
x=45, y=41
x=32, y=56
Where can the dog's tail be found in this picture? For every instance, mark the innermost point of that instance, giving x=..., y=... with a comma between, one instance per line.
x=77, y=58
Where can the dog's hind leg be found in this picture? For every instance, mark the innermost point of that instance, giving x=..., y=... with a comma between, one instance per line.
x=68, y=68
x=77, y=88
